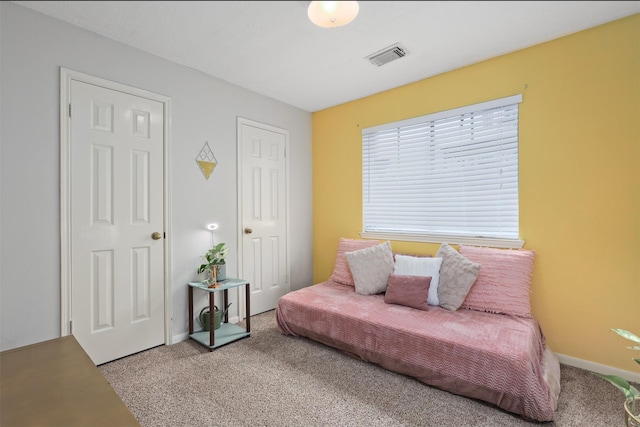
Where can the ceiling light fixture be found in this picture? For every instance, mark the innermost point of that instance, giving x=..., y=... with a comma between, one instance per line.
x=331, y=14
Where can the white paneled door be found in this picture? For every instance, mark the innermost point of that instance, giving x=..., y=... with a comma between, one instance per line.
x=117, y=225
x=263, y=188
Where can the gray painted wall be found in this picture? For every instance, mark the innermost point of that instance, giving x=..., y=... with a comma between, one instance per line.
x=33, y=47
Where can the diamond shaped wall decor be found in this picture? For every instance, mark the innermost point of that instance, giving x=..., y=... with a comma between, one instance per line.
x=207, y=162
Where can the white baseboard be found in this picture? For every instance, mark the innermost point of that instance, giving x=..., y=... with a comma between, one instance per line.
x=185, y=336
x=180, y=337
x=596, y=367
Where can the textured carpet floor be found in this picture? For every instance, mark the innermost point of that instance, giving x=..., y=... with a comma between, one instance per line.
x=270, y=379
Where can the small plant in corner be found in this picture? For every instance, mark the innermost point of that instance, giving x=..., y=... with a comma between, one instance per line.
x=631, y=394
x=214, y=258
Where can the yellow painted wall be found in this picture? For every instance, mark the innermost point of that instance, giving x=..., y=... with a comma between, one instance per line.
x=579, y=176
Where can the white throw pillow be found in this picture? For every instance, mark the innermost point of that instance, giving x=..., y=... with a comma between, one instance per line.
x=407, y=265
x=371, y=268
x=457, y=275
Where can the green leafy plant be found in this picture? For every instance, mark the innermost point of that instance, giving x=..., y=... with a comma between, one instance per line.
x=631, y=393
x=214, y=257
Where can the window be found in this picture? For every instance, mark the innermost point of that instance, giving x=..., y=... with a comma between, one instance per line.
x=449, y=177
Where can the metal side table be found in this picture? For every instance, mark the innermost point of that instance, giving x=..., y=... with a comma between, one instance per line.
x=227, y=333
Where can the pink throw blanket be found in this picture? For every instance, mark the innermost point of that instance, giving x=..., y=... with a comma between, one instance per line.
x=499, y=359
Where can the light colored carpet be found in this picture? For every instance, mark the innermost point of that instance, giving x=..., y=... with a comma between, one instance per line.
x=270, y=379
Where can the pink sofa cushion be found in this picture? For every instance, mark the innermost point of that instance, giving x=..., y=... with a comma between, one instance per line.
x=410, y=291
x=421, y=266
x=498, y=359
x=504, y=282
x=341, y=272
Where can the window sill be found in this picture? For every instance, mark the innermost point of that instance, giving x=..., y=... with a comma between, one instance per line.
x=443, y=238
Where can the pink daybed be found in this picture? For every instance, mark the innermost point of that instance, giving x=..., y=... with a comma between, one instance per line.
x=496, y=358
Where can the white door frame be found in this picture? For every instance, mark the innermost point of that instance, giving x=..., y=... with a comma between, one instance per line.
x=243, y=121
x=66, y=76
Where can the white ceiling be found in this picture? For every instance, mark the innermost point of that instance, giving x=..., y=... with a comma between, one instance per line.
x=271, y=47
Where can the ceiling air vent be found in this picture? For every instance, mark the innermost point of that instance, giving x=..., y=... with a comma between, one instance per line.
x=387, y=55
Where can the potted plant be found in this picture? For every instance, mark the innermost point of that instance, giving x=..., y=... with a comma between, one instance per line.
x=215, y=263
x=631, y=394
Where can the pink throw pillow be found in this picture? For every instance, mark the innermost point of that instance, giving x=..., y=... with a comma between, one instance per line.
x=504, y=282
x=341, y=272
x=410, y=291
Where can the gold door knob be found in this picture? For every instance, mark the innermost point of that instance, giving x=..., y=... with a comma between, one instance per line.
x=156, y=235
x=248, y=230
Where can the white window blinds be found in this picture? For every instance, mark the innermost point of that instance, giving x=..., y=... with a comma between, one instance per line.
x=452, y=173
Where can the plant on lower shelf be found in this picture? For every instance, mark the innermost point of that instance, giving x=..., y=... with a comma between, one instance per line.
x=631, y=394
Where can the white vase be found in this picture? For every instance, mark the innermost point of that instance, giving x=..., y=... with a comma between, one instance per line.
x=221, y=271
